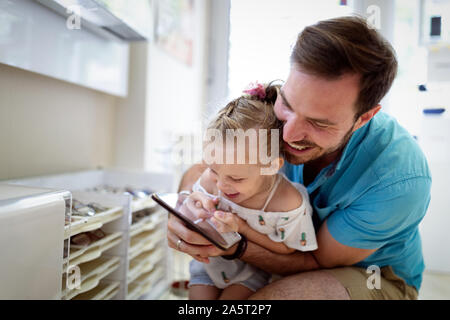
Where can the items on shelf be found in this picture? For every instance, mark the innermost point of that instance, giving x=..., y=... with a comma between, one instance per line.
x=86, y=238
x=86, y=210
x=141, y=214
x=114, y=235
x=137, y=193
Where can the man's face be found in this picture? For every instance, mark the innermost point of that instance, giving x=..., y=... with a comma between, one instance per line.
x=318, y=115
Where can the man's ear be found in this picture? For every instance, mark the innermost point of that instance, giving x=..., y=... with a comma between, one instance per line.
x=280, y=162
x=364, y=118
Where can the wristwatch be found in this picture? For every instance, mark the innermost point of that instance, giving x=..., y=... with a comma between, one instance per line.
x=240, y=250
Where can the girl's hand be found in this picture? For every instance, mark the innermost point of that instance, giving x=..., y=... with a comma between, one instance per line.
x=228, y=222
x=200, y=205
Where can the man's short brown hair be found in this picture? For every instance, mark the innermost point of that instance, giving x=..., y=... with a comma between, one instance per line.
x=342, y=45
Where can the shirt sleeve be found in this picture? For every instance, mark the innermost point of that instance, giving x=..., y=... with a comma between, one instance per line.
x=382, y=214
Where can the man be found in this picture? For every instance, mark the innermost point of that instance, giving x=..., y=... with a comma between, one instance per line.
x=368, y=180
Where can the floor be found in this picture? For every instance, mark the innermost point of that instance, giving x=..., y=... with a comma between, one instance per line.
x=180, y=271
x=435, y=286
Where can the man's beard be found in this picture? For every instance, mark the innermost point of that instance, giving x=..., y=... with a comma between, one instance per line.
x=323, y=157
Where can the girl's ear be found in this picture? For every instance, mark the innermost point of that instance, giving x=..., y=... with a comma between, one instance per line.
x=275, y=166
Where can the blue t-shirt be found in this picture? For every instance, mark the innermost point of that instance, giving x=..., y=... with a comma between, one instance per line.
x=375, y=195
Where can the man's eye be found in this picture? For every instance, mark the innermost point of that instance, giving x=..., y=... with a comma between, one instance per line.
x=285, y=106
x=320, y=126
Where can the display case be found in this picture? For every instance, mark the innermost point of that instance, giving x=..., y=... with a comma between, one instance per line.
x=32, y=241
x=120, y=250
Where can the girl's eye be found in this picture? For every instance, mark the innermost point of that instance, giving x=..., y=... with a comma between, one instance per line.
x=237, y=180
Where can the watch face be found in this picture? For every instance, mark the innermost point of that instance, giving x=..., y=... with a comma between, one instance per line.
x=205, y=227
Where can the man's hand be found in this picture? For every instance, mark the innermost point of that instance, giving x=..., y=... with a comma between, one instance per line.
x=191, y=242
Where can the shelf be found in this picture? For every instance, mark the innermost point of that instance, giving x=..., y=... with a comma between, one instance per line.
x=135, y=234
x=141, y=204
x=79, y=254
x=147, y=223
x=144, y=241
x=144, y=283
x=91, y=274
x=103, y=291
x=111, y=295
x=143, y=263
x=85, y=224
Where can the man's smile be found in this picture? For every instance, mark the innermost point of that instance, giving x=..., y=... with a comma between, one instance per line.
x=296, y=149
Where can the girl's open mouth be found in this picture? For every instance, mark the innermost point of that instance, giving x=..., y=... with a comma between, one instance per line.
x=231, y=195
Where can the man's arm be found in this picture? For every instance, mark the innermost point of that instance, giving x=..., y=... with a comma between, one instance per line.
x=330, y=254
x=227, y=221
x=190, y=176
x=179, y=236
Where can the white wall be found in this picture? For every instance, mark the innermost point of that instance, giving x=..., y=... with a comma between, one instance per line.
x=58, y=127
x=177, y=94
x=386, y=10
x=166, y=100
x=50, y=126
x=386, y=14
x=131, y=110
x=218, y=55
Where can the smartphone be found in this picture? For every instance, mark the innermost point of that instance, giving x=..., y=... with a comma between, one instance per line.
x=206, y=228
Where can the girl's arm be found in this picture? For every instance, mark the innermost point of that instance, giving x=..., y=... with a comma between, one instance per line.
x=263, y=240
x=227, y=221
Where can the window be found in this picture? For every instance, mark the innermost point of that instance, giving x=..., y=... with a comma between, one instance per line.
x=263, y=32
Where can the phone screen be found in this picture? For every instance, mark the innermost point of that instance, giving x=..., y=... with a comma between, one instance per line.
x=205, y=227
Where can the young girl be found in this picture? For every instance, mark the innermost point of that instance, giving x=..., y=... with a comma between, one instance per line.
x=268, y=210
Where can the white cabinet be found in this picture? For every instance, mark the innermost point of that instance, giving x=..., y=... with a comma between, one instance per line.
x=435, y=142
x=37, y=39
x=131, y=260
x=31, y=242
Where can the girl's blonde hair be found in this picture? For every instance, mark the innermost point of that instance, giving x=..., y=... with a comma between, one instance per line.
x=251, y=112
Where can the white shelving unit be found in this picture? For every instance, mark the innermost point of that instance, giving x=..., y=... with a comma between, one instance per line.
x=132, y=261
x=31, y=241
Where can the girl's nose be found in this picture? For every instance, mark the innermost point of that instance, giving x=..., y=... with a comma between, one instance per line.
x=221, y=185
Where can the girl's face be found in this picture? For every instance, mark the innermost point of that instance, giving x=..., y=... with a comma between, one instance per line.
x=239, y=182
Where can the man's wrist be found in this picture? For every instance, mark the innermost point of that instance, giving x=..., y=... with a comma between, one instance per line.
x=240, y=249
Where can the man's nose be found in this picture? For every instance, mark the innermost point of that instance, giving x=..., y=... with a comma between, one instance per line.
x=294, y=130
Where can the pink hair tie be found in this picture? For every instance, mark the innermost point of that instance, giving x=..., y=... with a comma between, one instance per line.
x=256, y=89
